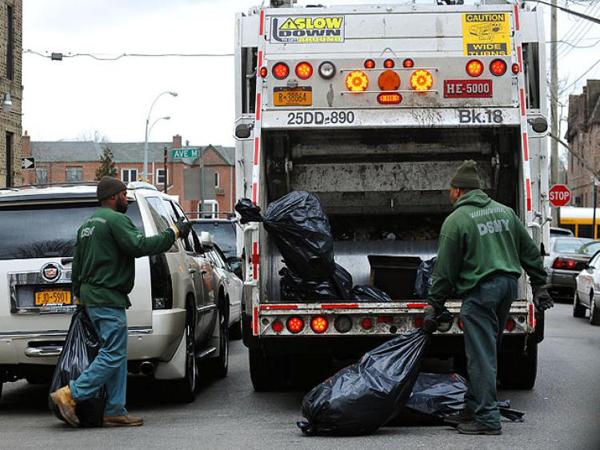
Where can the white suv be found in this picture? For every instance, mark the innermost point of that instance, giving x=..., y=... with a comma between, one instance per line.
x=176, y=318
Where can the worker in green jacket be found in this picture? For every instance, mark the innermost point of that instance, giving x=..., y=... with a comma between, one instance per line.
x=483, y=247
x=103, y=274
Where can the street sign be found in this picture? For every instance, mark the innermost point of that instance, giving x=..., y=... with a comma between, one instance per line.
x=559, y=195
x=28, y=163
x=185, y=153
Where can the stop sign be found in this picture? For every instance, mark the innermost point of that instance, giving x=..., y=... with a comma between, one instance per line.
x=559, y=195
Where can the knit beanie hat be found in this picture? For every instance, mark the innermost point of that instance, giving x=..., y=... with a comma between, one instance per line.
x=466, y=176
x=109, y=186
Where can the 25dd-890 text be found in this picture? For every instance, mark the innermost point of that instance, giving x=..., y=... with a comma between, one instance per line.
x=320, y=118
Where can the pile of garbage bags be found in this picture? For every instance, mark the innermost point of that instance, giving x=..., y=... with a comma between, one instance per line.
x=300, y=229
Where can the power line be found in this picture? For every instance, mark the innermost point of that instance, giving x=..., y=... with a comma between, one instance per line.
x=569, y=11
x=580, y=77
x=58, y=56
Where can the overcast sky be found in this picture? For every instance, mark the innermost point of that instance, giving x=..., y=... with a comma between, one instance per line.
x=73, y=98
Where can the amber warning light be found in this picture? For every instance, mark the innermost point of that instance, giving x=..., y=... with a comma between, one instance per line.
x=389, y=98
x=357, y=81
x=421, y=80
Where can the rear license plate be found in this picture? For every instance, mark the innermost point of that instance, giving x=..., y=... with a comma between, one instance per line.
x=468, y=88
x=300, y=96
x=52, y=297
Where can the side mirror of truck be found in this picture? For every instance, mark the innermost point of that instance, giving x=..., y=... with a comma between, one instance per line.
x=243, y=131
x=539, y=124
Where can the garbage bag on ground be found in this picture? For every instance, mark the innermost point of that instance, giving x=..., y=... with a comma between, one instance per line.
x=364, y=293
x=443, y=394
x=294, y=288
x=424, y=278
x=365, y=396
x=79, y=350
x=300, y=229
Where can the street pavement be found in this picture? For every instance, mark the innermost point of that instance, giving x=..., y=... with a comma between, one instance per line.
x=562, y=411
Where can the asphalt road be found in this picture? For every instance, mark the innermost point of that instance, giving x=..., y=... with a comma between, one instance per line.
x=562, y=412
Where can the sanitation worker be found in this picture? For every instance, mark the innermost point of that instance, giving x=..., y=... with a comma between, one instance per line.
x=102, y=276
x=483, y=247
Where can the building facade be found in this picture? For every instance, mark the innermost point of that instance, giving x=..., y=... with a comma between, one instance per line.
x=11, y=91
x=77, y=162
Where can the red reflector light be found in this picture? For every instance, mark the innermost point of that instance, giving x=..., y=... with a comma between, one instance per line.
x=498, y=67
x=474, y=68
x=564, y=263
x=277, y=326
x=419, y=322
x=388, y=81
x=295, y=324
x=532, y=321
x=281, y=71
x=389, y=63
x=389, y=98
x=304, y=71
x=369, y=64
x=264, y=72
x=366, y=323
x=510, y=325
x=461, y=324
x=515, y=68
x=319, y=324
x=408, y=63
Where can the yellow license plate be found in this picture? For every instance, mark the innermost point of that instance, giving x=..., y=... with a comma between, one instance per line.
x=301, y=96
x=44, y=298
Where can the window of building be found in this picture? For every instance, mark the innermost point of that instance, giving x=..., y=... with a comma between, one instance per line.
x=160, y=176
x=74, y=174
x=9, y=159
x=41, y=175
x=216, y=179
x=128, y=175
x=210, y=210
x=10, y=38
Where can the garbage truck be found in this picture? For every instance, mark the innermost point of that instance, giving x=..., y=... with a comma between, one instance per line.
x=372, y=108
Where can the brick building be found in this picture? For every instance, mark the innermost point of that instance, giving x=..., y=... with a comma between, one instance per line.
x=77, y=161
x=583, y=135
x=11, y=91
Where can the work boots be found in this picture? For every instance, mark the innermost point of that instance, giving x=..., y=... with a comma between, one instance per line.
x=477, y=428
x=65, y=404
x=122, y=421
x=463, y=416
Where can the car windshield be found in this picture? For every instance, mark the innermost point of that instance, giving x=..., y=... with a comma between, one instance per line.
x=569, y=245
x=590, y=248
x=46, y=230
x=223, y=234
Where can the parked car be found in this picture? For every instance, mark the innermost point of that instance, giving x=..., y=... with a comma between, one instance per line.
x=231, y=285
x=563, y=263
x=560, y=232
x=175, y=320
x=587, y=290
x=224, y=234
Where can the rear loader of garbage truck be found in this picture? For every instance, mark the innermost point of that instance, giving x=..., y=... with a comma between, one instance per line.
x=383, y=183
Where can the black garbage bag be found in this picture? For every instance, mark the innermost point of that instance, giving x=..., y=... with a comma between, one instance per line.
x=443, y=394
x=366, y=293
x=294, y=288
x=365, y=396
x=79, y=350
x=424, y=278
x=300, y=230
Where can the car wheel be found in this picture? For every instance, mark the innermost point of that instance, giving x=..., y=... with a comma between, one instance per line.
x=220, y=365
x=594, y=311
x=578, y=308
x=186, y=387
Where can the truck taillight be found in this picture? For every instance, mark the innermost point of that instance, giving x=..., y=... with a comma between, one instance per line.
x=277, y=326
x=510, y=325
x=515, y=68
x=388, y=81
x=357, y=81
x=369, y=64
x=327, y=70
x=421, y=80
x=319, y=324
x=389, y=64
x=160, y=282
x=263, y=72
x=461, y=324
x=408, y=63
x=281, y=71
x=498, y=67
x=304, y=70
x=295, y=324
x=366, y=323
x=474, y=68
x=389, y=98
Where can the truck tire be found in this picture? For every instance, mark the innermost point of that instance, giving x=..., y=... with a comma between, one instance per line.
x=518, y=370
x=578, y=308
x=594, y=311
x=268, y=374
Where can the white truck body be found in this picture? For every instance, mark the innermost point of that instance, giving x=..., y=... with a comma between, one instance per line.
x=381, y=157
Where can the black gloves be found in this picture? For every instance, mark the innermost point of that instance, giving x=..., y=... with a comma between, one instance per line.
x=183, y=227
x=436, y=317
x=541, y=297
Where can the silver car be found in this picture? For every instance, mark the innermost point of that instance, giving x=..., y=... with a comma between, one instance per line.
x=587, y=292
x=563, y=263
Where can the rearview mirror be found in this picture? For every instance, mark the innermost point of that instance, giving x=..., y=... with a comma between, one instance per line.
x=243, y=131
x=206, y=239
x=539, y=124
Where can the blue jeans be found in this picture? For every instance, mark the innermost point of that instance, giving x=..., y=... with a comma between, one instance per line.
x=484, y=312
x=109, y=368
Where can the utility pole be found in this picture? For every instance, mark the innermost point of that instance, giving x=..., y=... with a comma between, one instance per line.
x=165, y=168
x=553, y=94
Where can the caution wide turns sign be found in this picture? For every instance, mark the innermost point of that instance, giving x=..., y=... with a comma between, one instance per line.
x=486, y=33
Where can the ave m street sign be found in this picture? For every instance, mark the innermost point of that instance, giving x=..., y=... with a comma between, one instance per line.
x=185, y=153
x=28, y=163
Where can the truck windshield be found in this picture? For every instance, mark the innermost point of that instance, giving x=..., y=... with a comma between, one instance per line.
x=46, y=230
